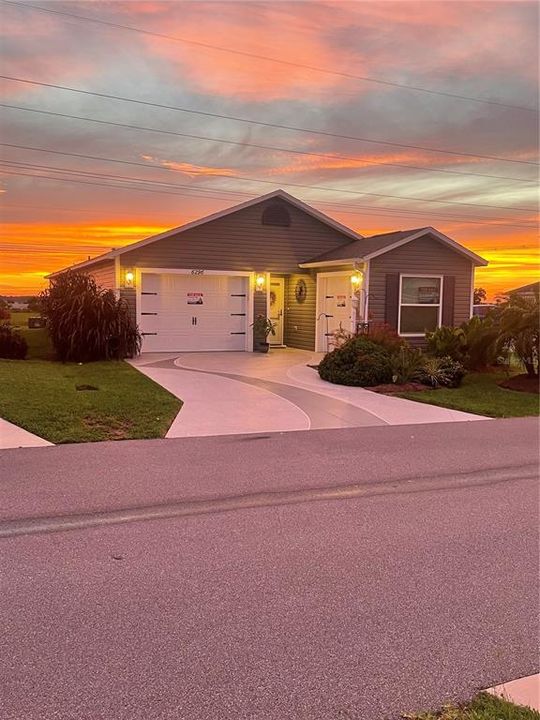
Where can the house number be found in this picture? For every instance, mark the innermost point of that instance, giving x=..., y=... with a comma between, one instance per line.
x=197, y=272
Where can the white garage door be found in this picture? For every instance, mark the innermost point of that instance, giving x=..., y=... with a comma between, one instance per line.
x=193, y=312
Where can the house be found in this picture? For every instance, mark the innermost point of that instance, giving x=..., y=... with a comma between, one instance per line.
x=528, y=291
x=199, y=286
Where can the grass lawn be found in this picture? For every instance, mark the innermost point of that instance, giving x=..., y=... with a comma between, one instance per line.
x=479, y=393
x=42, y=397
x=483, y=707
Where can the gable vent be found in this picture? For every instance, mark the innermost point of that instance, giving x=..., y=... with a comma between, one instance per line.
x=276, y=214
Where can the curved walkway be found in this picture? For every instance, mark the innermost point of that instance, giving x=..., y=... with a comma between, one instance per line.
x=229, y=393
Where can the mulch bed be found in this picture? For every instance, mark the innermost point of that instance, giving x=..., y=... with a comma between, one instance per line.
x=392, y=389
x=522, y=383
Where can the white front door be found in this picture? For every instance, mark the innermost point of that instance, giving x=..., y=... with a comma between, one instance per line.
x=335, y=308
x=184, y=312
x=276, y=301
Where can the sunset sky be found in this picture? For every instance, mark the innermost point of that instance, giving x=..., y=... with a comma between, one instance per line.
x=58, y=209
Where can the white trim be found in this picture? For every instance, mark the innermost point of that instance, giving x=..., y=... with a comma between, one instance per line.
x=439, y=304
x=366, y=292
x=248, y=345
x=117, y=277
x=471, y=310
x=318, y=306
x=331, y=263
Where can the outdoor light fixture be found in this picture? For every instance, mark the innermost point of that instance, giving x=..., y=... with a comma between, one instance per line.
x=356, y=280
x=129, y=278
x=260, y=282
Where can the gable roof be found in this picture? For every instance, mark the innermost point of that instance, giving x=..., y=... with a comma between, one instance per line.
x=281, y=194
x=371, y=247
x=530, y=289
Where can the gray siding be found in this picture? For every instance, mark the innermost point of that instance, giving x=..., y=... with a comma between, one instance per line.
x=104, y=275
x=422, y=256
x=240, y=242
x=300, y=317
x=128, y=294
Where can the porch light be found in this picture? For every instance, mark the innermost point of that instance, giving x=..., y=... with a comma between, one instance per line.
x=129, y=278
x=356, y=280
x=260, y=282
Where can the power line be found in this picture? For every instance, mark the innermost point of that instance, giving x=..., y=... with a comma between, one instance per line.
x=266, y=58
x=350, y=191
x=249, y=144
x=372, y=211
x=127, y=178
x=261, y=122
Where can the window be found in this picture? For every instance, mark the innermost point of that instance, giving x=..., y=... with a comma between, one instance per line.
x=276, y=214
x=420, y=304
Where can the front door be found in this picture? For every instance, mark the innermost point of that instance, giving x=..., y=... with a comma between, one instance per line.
x=275, y=309
x=335, y=303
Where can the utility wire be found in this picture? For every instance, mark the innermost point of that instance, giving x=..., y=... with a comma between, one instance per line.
x=247, y=144
x=127, y=178
x=266, y=58
x=349, y=191
x=260, y=122
x=372, y=211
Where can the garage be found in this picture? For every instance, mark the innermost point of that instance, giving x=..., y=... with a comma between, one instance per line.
x=193, y=311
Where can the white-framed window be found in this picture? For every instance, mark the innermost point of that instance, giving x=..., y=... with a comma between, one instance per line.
x=420, y=304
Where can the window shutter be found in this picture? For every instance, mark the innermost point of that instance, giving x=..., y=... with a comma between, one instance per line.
x=449, y=291
x=392, y=300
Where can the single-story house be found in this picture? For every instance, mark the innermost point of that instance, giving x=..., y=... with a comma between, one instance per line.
x=526, y=291
x=200, y=286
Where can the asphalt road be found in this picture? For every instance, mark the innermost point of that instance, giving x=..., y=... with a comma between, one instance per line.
x=343, y=574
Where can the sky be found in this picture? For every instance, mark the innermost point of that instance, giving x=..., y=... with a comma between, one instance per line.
x=221, y=58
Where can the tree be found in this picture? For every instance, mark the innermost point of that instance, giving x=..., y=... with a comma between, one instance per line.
x=520, y=330
x=479, y=296
x=86, y=322
x=34, y=304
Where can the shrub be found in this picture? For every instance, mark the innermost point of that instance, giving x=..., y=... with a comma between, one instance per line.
x=357, y=362
x=447, y=342
x=5, y=315
x=87, y=323
x=520, y=331
x=405, y=364
x=481, y=341
x=385, y=336
x=441, y=372
x=13, y=345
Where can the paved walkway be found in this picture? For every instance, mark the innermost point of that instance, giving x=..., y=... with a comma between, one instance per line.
x=229, y=393
x=13, y=436
x=524, y=691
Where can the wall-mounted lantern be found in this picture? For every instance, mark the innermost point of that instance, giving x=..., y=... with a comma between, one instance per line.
x=129, y=277
x=260, y=282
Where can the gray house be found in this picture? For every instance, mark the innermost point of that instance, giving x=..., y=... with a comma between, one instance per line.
x=199, y=286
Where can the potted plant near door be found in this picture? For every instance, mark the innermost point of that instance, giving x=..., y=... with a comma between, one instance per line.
x=262, y=328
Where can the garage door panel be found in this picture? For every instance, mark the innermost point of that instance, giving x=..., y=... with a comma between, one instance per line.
x=190, y=313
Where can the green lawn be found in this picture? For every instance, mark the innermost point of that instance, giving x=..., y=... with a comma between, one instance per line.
x=483, y=707
x=42, y=397
x=480, y=394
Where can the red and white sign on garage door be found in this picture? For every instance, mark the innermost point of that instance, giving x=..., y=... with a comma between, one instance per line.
x=184, y=312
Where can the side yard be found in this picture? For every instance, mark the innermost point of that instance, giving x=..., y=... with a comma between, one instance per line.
x=480, y=393
x=483, y=707
x=66, y=403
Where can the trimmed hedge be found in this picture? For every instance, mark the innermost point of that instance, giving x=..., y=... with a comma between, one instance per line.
x=358, y=362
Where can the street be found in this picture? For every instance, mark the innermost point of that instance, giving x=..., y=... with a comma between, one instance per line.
x=353, y=573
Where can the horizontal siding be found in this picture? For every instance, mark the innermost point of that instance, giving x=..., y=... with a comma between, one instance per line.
x=240, y=242
x=129, y=296
x=104, y=275
x=300, y=317
x=422, y=256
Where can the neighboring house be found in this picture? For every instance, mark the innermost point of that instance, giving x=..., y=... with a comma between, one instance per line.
x=199, y=286
x=530, y=291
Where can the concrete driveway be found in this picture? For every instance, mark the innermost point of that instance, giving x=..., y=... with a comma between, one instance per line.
x=228, y=392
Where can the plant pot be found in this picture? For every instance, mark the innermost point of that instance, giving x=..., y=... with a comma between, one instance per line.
x=261, y=346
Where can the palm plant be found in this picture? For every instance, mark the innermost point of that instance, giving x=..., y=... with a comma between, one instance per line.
x=520, y=330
